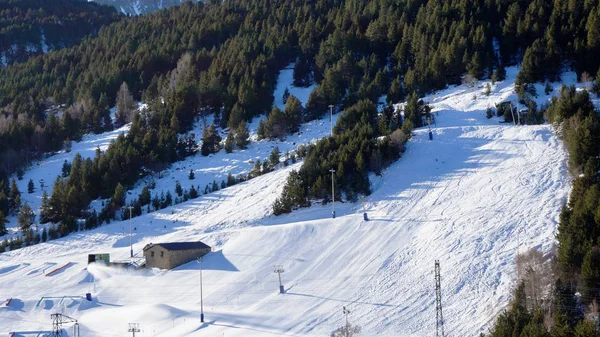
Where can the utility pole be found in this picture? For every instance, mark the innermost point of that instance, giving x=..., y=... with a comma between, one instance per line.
x=439, y=325
x=201, y=297
x=133, y=328
x=331, y=118
x=346, y=313
x=130, y=231
x=332, y=193
x=278, y=271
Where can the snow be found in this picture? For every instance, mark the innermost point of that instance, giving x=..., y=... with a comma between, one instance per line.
x=286, y=80
x=471, y=198
x=49, y=168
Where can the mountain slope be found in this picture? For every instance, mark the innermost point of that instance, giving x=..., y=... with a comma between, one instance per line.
x=469, y=198
x=34, y=27
x=137, y=7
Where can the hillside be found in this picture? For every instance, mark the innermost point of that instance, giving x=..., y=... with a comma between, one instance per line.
x=33, y=27
x=470, y=198
x=138, y=7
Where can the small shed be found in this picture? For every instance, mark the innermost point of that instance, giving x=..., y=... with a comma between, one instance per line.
x=173, y=254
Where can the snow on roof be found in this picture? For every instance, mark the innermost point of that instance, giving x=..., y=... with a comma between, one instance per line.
x=180, y=245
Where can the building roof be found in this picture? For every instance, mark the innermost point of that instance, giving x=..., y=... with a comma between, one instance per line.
x=179, y=245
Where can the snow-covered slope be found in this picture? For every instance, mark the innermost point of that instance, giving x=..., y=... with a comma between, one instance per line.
x=468, y=198
x=137, y=7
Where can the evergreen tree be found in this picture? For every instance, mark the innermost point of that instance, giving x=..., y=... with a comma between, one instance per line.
x=44, y=209
x=210, y=141
x=193, y=192
x=191, y=175
x=14, y=196
x=118, y=198
x=488, y=113
x=286, y=95
x=590, y=275
x=44, y=235
x=229, y=142
x=231, y=180
x=30, y=186
x=26, y=217
x=3, y=222
x=242, y=136
x=178, y=189
x=499, y=74
x=275, y=156
x=145, y=196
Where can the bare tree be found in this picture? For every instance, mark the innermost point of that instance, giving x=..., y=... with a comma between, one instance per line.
x=346, y=331
x=536, y=270
x=125, y=105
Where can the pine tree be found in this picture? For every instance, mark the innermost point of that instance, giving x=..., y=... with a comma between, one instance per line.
x=231, y=180
x=178, y=189
x=590, y=275
x=145, y=196
x=242, y=136
x=261, y=132
x=274, y=158
x=191, y=175
x=30, y=187
x=3, y=222
x=14, y=196
x=44, y=235
x=44, y=209
x=488, y=113
x=597, y=84
x=229, y=142
x=499, y=74
x=210, y=141
x=118, y=198
x=286, y=95
x=26, y=217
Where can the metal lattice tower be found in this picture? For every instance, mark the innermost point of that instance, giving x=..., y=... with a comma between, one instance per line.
x=58, y=320
x=439, y=324
x=133, y=328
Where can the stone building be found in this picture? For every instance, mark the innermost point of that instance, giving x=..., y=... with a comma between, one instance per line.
x=173, y=254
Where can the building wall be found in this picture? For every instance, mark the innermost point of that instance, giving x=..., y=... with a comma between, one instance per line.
x=171, y=259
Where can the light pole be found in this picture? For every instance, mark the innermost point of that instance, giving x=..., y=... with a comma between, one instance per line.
x=201, y=300
x=346, y=312
x=130, y=232
x=331, y=118
x=332, y=193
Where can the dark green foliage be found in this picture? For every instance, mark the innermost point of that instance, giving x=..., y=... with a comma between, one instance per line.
x=590, y=275
x=191, y=175
x=26, y=217
x=3, y=222
x=231, y=180
x=353, y=151
x=281, y=123
x=274, y=158
x=25, y=25
x=145, y=196
x=178, y=189
x=229, y=142
x=499, y=74
x=66, y=169
x=210, y=141
x=30, y=186
x=489, y=113
x=242, y=136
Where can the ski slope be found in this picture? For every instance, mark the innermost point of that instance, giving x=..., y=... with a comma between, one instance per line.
x=471, y=198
